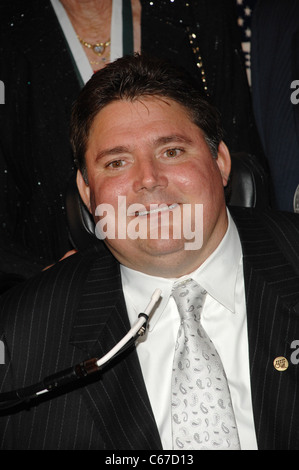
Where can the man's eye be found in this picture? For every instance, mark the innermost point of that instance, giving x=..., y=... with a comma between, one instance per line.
x=172, y=153
x=115, y=164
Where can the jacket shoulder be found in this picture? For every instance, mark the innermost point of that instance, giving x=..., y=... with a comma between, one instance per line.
x=282, y=227
x=265, y=215
x=64, y=279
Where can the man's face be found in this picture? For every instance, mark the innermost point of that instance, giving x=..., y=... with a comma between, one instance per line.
x=149, y=152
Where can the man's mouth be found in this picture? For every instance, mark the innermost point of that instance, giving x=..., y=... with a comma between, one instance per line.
x=156, y=210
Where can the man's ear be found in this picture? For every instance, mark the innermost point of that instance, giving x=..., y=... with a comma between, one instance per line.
x=84, y=190
x=224, y=162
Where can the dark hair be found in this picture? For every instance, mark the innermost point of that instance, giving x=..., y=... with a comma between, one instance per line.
x=133, y=77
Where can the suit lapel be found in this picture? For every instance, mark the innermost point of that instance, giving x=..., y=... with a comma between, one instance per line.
x=272, y=295
x=117, y=397
x=53, y=59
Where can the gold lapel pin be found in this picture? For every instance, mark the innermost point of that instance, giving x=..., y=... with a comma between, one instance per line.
x=281, y=363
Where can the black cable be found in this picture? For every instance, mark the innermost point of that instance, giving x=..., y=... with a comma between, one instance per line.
x=62, y=378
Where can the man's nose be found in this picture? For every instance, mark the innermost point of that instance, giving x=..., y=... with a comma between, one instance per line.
x=149, y=175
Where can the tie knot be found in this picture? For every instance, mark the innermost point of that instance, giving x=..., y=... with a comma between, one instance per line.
x=189, y=297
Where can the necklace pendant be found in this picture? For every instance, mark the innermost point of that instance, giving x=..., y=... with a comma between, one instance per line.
x=99, y=49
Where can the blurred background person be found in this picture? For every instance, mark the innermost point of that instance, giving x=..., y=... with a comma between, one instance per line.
x=275, y=67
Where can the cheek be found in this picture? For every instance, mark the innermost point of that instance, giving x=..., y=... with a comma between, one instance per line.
x=197, y=179
x=107, y=192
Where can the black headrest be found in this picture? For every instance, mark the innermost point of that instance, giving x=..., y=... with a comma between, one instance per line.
x=80, y=222
x=248, y=184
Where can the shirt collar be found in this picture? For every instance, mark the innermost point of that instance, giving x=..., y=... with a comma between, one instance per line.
x=217, y=275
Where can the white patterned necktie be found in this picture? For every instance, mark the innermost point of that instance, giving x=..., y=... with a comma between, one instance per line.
x=202, y=413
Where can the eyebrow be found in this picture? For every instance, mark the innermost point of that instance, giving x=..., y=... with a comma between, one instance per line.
x=172, y=138
x=112, y=151
x=121, y=149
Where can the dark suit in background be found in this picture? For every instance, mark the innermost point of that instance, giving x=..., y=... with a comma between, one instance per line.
x=275, y=65
x=77, y=310
x=41, y=83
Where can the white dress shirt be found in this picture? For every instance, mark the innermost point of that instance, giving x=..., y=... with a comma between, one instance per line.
x=223, y=317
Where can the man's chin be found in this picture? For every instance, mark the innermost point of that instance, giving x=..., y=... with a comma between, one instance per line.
x=162, y=258
x=145, y=248
x=163, y=247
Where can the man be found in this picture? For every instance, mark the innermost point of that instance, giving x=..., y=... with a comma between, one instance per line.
x=145, y=141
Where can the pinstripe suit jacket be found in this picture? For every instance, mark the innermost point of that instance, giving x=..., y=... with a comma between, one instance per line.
x=76, y=310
